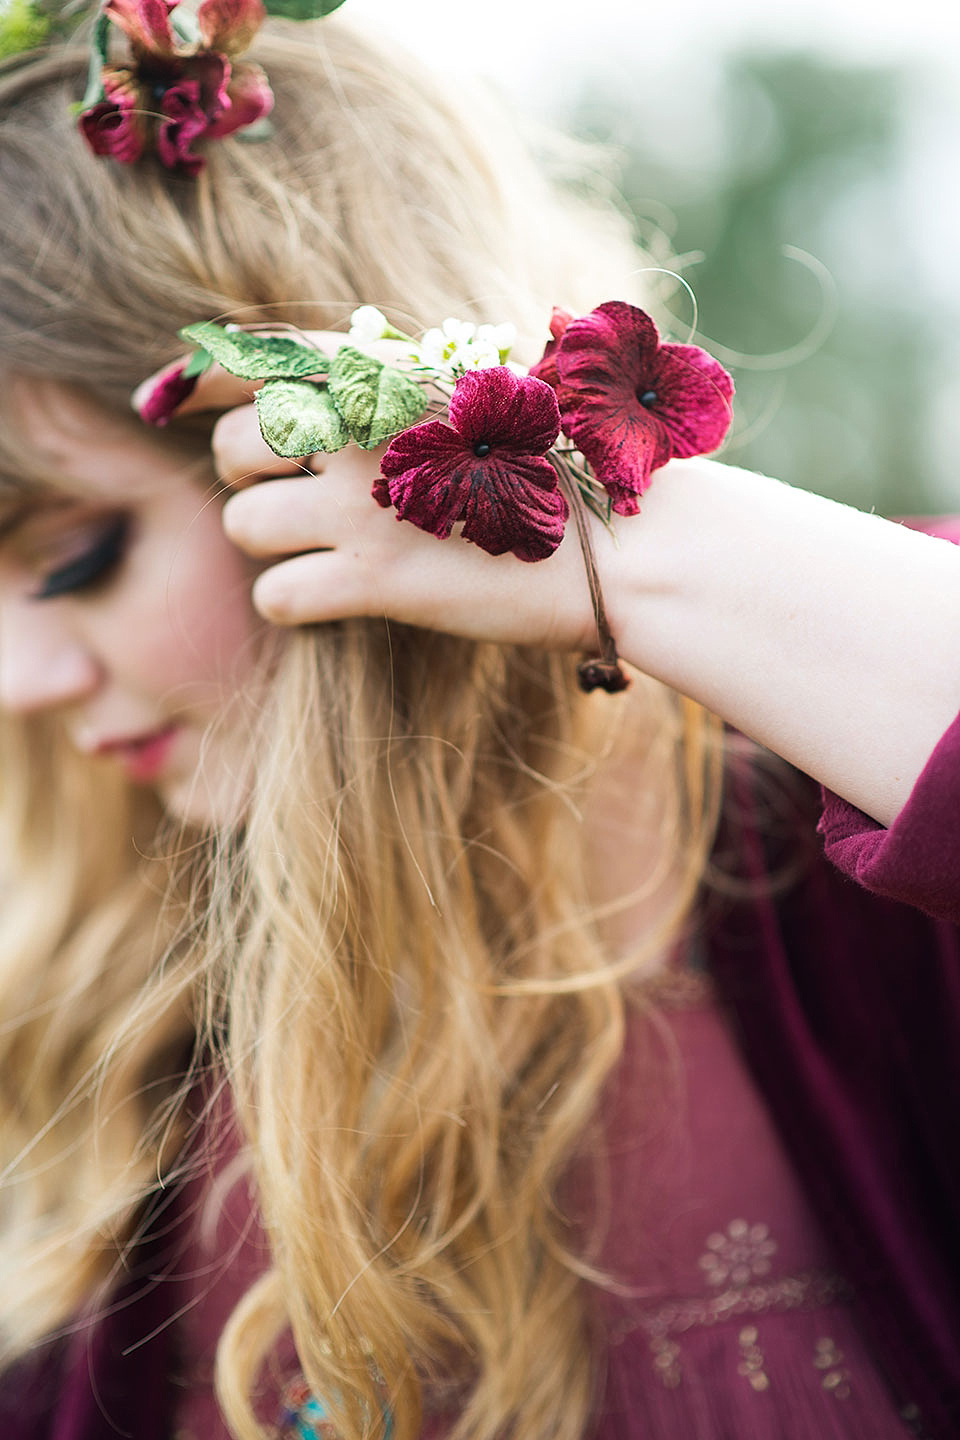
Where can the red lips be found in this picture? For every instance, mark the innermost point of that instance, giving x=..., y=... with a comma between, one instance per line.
x=143, y=757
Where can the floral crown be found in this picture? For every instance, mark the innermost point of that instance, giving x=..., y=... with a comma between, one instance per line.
x=607, y=404
x=163, y=77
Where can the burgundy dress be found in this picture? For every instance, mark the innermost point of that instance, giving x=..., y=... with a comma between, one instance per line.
x=731, y=1318
x=784, y=1210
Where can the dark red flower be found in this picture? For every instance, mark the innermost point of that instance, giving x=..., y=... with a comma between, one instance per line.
x=117, y=126
x=168, y=393
x=486, y=469
x=171, y=95
x=146, y=23
x=190, y=109
x=630, y=403
x=546, y=366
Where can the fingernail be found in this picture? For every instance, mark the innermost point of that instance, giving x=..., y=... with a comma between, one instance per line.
x=158, y=398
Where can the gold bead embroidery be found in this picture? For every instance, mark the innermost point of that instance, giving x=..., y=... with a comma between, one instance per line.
x=751, y=1366
x=827, y=1357
x=736, y=1263
x=666, y=1361
x=806, y=1290
x=739, y=1255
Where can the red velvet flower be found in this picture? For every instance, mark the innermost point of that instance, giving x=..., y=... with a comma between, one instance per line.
x=546, y=366
x=165, y=397
x=117, y=126
x=485, y=469
x=172, y=95
x=630, y=403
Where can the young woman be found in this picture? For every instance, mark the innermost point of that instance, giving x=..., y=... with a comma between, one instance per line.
x=396, y=1039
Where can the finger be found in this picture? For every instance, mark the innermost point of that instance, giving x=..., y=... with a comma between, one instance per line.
x=283, y=518
x=162, y=395
x=494, y=600
x=241, y=456
x=315, y=588
x=400, y=572
x=217, y=389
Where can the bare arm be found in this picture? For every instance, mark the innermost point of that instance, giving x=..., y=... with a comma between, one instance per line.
x=831, y=636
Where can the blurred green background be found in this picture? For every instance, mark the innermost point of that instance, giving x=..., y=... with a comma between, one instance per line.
x=751, y=132
x=835, y=365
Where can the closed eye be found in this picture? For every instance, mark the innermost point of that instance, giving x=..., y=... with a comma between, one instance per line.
x=97, y=562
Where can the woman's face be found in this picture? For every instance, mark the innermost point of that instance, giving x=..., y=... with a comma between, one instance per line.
x=125, y=610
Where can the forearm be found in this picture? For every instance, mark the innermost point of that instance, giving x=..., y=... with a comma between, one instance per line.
x=830, y=636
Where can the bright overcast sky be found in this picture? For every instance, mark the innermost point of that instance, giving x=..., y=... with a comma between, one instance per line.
x=530, y=44
x=661, y=58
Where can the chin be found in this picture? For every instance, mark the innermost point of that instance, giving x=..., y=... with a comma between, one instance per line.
x=199, y=802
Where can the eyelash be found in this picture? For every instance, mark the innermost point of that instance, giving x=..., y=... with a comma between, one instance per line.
x=95, y=563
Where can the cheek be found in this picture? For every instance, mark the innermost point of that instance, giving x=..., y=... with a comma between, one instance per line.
x=190, y=624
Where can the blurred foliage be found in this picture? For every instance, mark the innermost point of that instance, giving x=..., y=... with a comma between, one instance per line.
x=22, y=27
x=806, y=154
x=27, y=24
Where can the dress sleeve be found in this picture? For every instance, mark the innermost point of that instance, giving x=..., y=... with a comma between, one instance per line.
x=916, y=860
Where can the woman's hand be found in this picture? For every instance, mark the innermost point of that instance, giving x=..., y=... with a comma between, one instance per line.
x=331, y=551
x=828, y=635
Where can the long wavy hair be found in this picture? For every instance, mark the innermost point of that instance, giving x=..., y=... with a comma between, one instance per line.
x=394, y=960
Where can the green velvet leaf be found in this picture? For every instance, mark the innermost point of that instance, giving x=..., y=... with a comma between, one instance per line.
x=256, y=132
x=297, y=418
x=185, y=26
x=256, y=357
x=99, y=49
x=376, y=400
x=301, y=9
x=199, y=362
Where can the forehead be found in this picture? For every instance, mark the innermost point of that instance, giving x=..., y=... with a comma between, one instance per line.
x=62, y=445
x=68, y=439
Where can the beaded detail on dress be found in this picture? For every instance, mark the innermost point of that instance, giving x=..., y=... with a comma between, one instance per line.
x=730, y=1317
x=302, y=1415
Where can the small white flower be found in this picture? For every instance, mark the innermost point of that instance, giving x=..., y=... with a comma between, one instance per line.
x=367, y=324
x=458, y=332
x=431, y=350
x=459, y=345
x=503, y=337
x=474, y=356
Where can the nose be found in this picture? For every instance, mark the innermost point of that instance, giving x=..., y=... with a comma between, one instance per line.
x=43, y=664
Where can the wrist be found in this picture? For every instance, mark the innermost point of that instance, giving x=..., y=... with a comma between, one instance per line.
x=651, y=564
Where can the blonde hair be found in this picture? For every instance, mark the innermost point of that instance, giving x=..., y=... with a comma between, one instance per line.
x=395, y=960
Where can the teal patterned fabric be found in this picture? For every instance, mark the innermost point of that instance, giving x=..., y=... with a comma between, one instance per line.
x=304, y=1417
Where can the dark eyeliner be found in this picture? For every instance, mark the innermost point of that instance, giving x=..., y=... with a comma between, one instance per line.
x=94, y=564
